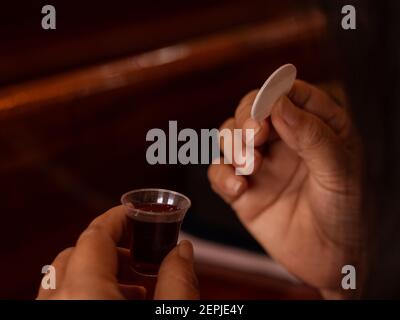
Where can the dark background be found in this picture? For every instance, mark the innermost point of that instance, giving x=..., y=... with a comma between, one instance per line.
x=69, y=148
x=371, y=62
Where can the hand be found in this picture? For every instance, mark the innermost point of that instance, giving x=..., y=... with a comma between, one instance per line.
x=302, y=201
x=90, y=269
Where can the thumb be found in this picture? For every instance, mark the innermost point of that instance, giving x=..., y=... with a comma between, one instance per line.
x=176, y=278
x=313, y=140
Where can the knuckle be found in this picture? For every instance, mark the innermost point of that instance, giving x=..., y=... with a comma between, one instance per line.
x=65, y=253
x=343, y=122
x=314, y=136
x=189, y=279
x=183, y=274
x=93, y=229
x=95, y=226
x=249, y=97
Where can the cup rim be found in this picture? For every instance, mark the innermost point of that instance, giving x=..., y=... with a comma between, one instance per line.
x=126, y=203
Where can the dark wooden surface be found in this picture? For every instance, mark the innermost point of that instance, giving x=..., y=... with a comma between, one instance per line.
x=216, y=283
x=75, y=106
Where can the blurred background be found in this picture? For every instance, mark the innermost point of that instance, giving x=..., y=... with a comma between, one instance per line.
x=76, y=104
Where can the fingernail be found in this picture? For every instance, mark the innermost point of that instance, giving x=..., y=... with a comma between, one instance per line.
x=252, y=125
x=234, y=185
x=185, y=250
x=290, y=114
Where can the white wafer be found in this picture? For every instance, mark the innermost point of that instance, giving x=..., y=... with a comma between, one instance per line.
x=278, y=84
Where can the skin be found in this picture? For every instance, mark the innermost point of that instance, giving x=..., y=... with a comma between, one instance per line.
x=302, y=201
x=96, y=268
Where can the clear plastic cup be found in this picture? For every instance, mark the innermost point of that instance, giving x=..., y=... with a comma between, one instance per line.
x=155, y=218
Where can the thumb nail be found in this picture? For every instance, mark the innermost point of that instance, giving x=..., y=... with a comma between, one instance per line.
x=185, y=250
x=289, y=112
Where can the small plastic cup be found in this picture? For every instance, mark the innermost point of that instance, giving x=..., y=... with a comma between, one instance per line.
x=154, y=219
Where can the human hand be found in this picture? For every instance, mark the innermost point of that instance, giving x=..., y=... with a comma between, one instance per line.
x=93, y=268
x=302, y=201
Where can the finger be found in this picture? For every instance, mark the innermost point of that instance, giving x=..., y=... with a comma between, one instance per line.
x=225, y=182
x=132, y=292
x=259, y=134
x=177, y=279
x=227, y=142
x=317, y=102
x=226, y=131
x=246, y=159
x=95, y=256
x=242, y=112
x=243, y=120
x=310, y=137
x=60, y=265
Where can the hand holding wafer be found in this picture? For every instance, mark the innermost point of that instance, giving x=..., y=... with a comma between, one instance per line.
x=302, y=201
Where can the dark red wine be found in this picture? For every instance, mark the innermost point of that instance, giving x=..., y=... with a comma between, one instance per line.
x=151, y=241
